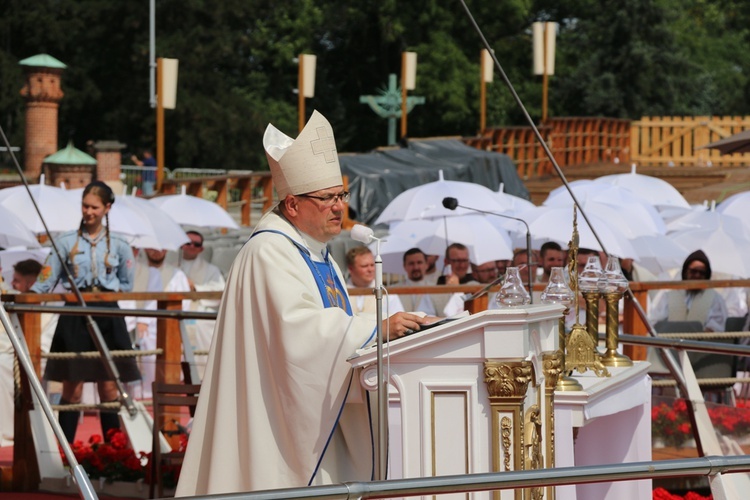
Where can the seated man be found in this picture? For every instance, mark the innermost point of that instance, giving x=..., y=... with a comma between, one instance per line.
x=361, y=265
x=551, y=255
x=456, y=256
x=705, y=306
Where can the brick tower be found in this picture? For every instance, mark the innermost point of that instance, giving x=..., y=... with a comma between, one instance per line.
x=43, y=94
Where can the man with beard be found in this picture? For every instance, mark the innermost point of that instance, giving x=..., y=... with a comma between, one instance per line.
x=552, y=255
x=705, y=306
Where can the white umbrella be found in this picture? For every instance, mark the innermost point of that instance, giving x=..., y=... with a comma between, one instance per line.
x=556, y=224
x=13, y=231
x=709, y=219
x=165, y=234
x=737, y=205
x=392, y=250
x=59, y=211
x=484, y=241
x=193, y=211
x=726, y=250
x=658, y=253
x=11, y=256
x=426, y=201
x=515, y=204
x=615, y=204
x=653, y=190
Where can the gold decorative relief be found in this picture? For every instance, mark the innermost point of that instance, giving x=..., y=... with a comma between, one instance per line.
x=533, y=456
x=552, y=366
x=507, y=379
x=506, y=427
x=582, y=354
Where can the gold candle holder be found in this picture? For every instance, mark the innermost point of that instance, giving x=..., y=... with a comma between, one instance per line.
x=611, y=356
x=592, y=314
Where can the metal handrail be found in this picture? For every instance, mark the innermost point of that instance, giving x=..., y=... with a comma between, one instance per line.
x=109, y=311
x=704, y=466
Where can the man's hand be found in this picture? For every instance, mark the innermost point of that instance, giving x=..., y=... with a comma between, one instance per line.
x=397, y=325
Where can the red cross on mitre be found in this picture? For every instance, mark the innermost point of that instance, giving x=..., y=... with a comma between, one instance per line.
x=324, y=144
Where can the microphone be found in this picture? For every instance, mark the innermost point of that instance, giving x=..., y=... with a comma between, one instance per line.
x=363, y=234
x=452, y=203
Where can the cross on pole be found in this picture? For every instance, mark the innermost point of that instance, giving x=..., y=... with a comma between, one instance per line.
x=387, y=104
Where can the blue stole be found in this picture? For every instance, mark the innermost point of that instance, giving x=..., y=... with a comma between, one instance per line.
x=330, y=287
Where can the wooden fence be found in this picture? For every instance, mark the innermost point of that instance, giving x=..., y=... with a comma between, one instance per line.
x=572, y=141
x=674, y=140
x=650, y=141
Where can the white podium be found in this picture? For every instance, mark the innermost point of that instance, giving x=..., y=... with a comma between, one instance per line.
x=476, y=395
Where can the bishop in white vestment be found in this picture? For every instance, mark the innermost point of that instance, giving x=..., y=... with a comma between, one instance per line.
x=280, y=406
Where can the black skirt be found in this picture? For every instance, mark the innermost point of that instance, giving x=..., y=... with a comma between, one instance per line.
x=72, y=335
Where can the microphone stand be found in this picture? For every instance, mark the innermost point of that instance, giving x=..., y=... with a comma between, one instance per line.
x=382, y=382
x=528, y=237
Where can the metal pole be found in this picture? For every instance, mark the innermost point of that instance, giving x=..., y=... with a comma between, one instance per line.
x=482, y=94
x=82, y=480
x=152, y=52
x=159, y=124
x=545, y=77
x=301, y=92
x=427, y=486
x=404, y=111
x=382, y=381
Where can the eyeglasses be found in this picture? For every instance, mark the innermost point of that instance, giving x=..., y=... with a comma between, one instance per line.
x=196, y=244
x=330, y=199
x=700, y=271
x=459, y=261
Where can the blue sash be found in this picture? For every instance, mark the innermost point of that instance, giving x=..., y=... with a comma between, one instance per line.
x=331, y=290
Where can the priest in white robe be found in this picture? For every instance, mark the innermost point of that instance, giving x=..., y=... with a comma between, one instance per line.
x=279, y=405
x=203, y=277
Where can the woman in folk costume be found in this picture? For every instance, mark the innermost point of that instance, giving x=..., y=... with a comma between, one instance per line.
x=279, y=405
x=98, y=261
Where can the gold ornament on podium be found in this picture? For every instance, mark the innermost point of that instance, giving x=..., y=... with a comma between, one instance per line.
x=580, y=348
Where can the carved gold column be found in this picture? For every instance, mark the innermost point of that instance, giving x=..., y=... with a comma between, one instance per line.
x=592, y=314
x=611, y=356
x=552, y=365
x=507, y=385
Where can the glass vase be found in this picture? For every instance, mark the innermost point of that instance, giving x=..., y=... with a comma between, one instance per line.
x=512, y=293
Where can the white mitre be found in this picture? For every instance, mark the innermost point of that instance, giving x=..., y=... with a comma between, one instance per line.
x=306, y=164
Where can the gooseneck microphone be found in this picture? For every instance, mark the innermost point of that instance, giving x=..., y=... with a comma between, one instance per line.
x=452, y=203
x=363, y=234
